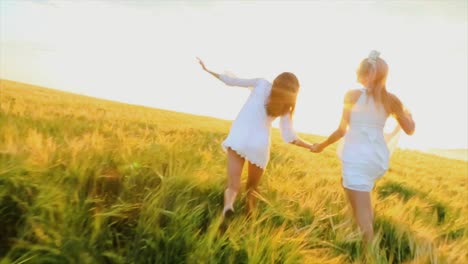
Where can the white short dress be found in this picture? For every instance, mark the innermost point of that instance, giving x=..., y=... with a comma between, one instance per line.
x=364, y=154
x=250, y=132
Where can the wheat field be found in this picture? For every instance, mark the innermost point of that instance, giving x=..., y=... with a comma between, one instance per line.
x=84, y=180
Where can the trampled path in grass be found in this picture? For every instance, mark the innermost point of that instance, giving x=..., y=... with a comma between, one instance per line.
x=84, y=180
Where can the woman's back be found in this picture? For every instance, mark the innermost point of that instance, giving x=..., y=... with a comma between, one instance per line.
x=364, y=141
x=367, y=113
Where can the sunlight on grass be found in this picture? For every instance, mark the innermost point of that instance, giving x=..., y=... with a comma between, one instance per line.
x=84, y=180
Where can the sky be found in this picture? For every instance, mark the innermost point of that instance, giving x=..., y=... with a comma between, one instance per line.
x=144, y=52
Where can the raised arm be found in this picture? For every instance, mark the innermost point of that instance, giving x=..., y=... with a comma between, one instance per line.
x=206, y=69
x=288, y=134
x=230, y=80
x=402, y=115
x=350, y=99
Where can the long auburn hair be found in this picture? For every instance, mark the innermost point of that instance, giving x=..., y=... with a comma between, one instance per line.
x=282, y=99
x=377, y=73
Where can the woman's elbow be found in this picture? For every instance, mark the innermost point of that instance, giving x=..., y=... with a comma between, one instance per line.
x=409, y=130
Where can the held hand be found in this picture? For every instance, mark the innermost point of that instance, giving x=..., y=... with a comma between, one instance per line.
x=202, y=64
x=316, y=148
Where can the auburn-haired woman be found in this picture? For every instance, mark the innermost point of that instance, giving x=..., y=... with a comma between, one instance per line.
x=249, y=137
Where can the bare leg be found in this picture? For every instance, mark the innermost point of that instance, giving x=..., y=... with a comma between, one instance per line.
x=255, y=173
x=362, y=210
x=235, y=163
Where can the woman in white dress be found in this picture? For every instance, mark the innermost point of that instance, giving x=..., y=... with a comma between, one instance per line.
x=364, y=154
x=249, y=137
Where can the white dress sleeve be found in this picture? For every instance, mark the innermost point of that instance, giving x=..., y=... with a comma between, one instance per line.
x=286, y=128
x=231, y=81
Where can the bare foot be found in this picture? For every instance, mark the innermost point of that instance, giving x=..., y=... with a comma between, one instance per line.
x=228, y=214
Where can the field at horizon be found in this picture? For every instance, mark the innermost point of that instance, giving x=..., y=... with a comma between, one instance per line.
x=460, y=154
x=86, y=180
x=450, y=153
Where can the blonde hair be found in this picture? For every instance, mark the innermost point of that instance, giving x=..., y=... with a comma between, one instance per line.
x=375, y=69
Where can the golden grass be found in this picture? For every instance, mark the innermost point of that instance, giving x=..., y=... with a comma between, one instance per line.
x=84, y=180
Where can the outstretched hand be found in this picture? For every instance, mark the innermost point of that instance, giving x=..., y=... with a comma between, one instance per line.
x=202, y=64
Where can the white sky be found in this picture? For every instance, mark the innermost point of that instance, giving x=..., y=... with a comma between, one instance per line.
x=144, y=53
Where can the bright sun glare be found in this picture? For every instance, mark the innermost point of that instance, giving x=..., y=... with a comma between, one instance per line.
x=144, y=53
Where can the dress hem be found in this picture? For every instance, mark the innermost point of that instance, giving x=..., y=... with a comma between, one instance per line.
x=355, y=189
x=225, y=146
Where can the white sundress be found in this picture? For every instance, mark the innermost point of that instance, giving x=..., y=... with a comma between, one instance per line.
x=251, y=130
x=364, y=154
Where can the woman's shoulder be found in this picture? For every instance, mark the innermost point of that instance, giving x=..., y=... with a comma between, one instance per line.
x=393, y=97
x=263, y=81
x=395, y=103
x=352, y=95
x=263, y=85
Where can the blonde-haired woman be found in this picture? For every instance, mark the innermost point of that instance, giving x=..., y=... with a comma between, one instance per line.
x=364, y=154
